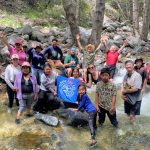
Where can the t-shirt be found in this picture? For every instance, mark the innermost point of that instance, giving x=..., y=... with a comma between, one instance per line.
x=48, y=82
x=53, y=53
x=88, y=58
x=135, y=80
x=86, y=104
x=106, y=91
x=27, y=86
x=112, y=58
x=21, y=54
x=70, y=58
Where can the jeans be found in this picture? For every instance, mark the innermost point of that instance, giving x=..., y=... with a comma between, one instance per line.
x=102, y=116
x=11, y=96
x=92, y=123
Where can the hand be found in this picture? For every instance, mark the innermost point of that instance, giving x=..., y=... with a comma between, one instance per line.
x=142, y=91
x=78, y=36
x=1, y=34
x=126, y=41
x=55, y=93
x=97, y=108
x=124, y=97
x=74, y=109
x=112, y=110
x=15, y=89
x=72, y=62
x=33, y=45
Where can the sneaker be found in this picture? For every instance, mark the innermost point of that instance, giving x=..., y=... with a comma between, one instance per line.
x=17, y=121
x=116, y=125
x=93, y=143
x=9, y=110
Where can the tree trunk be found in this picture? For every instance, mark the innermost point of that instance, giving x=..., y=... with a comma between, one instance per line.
x=70, y=11
x=135, y=17
x=146, y=20
x=78, y=11
x=97, y=22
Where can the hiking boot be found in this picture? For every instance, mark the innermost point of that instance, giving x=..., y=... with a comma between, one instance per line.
x=116, y=125
x=93, y=143
x=17, y=121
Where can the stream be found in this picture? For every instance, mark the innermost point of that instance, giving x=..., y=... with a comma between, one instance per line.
x=34, y=135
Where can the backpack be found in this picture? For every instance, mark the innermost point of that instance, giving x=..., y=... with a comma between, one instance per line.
x=148, y=74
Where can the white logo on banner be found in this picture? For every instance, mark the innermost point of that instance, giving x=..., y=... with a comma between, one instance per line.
x=67, y=87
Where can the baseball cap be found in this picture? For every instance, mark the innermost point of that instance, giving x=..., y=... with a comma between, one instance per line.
x=73, y=48
x=19, y=42
x=14, y=56
x=26, y=64
x=105, y=70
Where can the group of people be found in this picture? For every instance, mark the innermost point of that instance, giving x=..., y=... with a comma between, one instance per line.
x=33, y=72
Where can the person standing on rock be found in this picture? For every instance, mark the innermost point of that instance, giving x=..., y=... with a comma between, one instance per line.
x=18, y=49
x=37, y=60
x=10, y=73
x=86, y=104
x=139, y=67
x=71, y=61
x=89, y=53
x=131, y=91
x=105, y=98
x=112, y=54
x=27, y=90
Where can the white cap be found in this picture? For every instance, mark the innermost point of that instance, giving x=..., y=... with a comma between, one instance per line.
x=14, y=56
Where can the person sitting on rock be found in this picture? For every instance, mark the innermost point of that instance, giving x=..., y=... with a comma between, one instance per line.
x=27, y=90
x=53, y=52
x=112, y=54
x=47, y=95
x=89, y=53
x=37, y=60
x=86, y=104
x=95, y=74
x=18, y=49
x=71, y=61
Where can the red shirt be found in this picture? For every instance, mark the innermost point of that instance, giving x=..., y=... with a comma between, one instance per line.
x=112, y=57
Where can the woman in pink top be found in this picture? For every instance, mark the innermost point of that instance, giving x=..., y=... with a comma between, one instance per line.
x=18, y=49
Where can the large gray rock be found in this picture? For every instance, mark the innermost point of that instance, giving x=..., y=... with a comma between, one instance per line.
x=47, y=119
x=27, y=29
x=73, y=118
x=37, y=36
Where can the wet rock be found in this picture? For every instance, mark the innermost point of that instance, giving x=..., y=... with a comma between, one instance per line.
x=73, y=118
x=49, y=120
x=27, y=29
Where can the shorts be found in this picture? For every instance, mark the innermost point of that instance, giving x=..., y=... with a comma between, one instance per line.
x=132, y=109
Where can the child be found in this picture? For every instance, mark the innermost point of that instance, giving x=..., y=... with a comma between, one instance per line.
x=106, y=98
x=88, y=55
x=86, y=104
x=112, y=55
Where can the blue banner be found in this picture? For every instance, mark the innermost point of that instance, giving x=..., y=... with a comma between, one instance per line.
x=67, y=89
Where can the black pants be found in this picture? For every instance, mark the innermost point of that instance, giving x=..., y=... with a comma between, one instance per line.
x=46, y=101
x=11, y=96
x=92, y=123
x=102, y=116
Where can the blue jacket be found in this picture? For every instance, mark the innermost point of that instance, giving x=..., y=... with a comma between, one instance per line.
x=86, y=104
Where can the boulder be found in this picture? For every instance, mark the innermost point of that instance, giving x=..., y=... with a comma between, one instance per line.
x=37, y=36
x=47, y=119
x=127, y=29
x=77, y=118
x=133, y=41
x=27, y=29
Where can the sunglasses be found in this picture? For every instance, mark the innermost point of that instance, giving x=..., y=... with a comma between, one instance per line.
x=17, y=44
x=91, y=67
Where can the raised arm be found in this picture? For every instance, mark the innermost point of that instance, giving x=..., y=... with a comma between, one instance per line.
x=104, y=40
x=123, y=46
x=78, y=42
x=4, y=40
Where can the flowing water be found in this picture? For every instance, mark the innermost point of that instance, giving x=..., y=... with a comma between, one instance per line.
x=34, y=135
